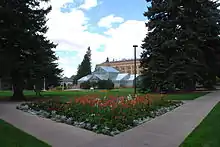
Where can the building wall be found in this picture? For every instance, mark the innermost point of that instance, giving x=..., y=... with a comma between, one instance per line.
x=128, y=84
x=124, y=66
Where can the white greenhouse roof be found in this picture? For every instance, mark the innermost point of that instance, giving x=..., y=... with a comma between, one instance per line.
x=101, y=77
x=85, y=78
x=132, y=77
x=109, y=69
x=121, y=76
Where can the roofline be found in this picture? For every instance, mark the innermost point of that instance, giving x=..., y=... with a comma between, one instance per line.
x=119, y=61
x=117, y=71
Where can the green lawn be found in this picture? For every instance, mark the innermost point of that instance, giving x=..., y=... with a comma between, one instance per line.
x=67, y=95
x=13, y=137
x=73, y=93
x=207, y=134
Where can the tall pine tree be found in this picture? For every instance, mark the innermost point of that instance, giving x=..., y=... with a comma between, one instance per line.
x=25, y=53
x=85, y=67
x=177, y=48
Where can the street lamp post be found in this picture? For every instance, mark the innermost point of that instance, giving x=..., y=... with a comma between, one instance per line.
x=0, y=84
x=135, y=69
x=44, y=84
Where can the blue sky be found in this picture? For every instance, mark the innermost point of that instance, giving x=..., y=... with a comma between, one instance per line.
x=109, y=27
x=129, y=10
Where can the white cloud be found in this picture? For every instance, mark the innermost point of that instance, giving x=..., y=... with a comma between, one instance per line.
x=120, y=44
x=88, y=4
x=69, y=30
x=109, y=20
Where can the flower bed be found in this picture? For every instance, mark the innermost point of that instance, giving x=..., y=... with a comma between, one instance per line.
x=108, y=115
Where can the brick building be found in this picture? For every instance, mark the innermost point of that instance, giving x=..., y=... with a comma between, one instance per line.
x=124, y=66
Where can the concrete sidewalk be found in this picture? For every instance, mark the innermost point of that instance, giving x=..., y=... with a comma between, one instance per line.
x=55, y=134
x=168, y=130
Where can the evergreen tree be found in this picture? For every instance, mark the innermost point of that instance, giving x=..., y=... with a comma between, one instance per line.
x=85, y=67
x=177, y=48
x=25, y=53
x=76, y=77
x=199, y=38
x=107, y=60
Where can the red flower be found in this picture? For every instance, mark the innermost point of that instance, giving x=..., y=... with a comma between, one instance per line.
x=51, y=109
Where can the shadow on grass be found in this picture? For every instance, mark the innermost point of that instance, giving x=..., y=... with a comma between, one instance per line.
x=70, y=95
x=11, y=136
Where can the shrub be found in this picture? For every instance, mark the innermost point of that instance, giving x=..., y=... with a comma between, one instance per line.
x=217, y=81
x=105, y=84
x=59, y=88
x=85, y=85
x=93, y=84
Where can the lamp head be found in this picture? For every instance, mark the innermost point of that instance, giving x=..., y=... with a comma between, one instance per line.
x=135, y=45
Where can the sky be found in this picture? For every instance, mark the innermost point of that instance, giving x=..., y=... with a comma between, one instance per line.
x=109, y=27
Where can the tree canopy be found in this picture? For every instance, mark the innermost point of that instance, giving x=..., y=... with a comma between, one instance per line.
x=25, y=52
x=107, y=60
x=85, y=67
x=182, y=44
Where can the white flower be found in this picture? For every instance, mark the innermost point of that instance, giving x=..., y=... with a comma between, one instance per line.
x=76, y=123
x=82, y=124
x=63, y=118
x=46, y=114
x=107, y=128
x=25, y=107
x=57, y=116
x=69, y=120
x=32, y=112
x=92, y=115
x=88, y=125
x=129, y=97
x=95, y=127
x=53, y=112
x=53, y=119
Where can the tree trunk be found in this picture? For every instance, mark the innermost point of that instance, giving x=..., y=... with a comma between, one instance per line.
x=18, y=87
x=190, y=85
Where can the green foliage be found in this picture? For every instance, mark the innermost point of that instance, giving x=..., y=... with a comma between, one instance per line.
x=59, y=88
x=182, y=46
x=217, y=80
x=85, y=85
x=105, y=84
x=207, y=133
x=109, y=114
x=84, y=68
x=17, y=137
x=25, y=52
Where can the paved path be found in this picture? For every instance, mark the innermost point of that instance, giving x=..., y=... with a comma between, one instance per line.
x=55, y=134
x=168, y=130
